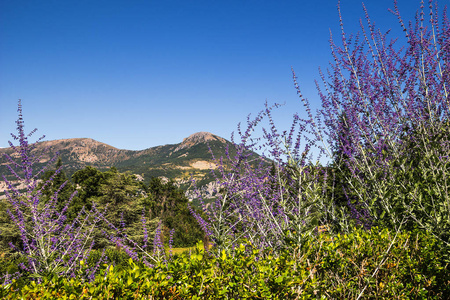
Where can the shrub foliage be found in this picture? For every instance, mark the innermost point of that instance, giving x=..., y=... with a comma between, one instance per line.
x=336, y=267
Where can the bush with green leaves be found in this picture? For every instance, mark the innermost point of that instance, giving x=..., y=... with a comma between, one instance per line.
x=329, y=267
x=383, y=125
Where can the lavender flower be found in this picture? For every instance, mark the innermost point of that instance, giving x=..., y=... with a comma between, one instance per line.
x=383, y=124
x=50, y=244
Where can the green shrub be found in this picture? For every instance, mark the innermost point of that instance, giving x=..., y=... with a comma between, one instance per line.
x=411, y=265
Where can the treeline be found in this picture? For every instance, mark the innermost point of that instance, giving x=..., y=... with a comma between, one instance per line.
x=122, y=198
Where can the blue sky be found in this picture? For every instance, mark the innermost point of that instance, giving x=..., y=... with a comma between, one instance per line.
x=137, y=74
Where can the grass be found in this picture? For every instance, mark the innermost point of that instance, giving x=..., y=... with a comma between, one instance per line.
x=182, y=250
x=179, y=250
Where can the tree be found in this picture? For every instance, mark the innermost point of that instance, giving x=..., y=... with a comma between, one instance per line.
x=117, y=196
x=126, y=200
x=168, y=203
x=88, y=181
x=60, y=183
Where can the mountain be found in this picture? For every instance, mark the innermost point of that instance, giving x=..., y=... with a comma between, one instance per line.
x=179, y=162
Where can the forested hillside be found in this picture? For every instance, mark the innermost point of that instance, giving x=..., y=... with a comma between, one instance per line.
x=123, y=198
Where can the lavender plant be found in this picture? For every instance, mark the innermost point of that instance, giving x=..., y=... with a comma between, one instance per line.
x=384, y=118
x=394, y=103
x=275, y=200
x=50, y=244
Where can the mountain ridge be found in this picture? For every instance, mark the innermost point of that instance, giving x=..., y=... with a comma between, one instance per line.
x=180, y=162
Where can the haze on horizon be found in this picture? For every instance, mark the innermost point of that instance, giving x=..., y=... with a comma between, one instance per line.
x=145, y=73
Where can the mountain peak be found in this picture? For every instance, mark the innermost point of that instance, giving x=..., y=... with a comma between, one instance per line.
x=201, y=137
x=198, y=138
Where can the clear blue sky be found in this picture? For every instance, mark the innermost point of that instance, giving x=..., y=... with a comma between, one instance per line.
x=137, y=74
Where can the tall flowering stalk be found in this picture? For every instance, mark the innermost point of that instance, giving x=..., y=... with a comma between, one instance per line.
x=50, y=243
x=384, y=125
x=274, y=200
x=386, y=109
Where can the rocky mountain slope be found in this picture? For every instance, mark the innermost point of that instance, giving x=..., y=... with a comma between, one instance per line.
x=179, y=162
